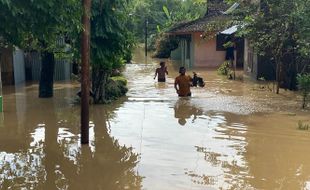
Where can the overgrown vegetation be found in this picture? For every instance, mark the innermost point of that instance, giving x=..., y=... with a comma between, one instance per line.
x=37, y=25
x=224, y=69
x=115, y=88
x=281, y=29
x=111, y=44
x=304, y=87
x=164, y=45
x=303, y=126
x=160, y=16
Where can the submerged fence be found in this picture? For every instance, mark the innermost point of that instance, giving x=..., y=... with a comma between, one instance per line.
x=63, y=68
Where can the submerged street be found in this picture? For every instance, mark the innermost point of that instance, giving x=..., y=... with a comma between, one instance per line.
x=228, y=135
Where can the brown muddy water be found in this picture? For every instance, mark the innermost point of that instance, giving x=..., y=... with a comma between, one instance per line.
x=228, y=135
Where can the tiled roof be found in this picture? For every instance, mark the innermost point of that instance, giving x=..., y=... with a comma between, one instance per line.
x=215, y=11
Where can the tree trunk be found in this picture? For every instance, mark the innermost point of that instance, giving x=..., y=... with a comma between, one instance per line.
x=304, y=100
x=278, y=72
x=234, y=67
x=99, y=78
x=47, y=75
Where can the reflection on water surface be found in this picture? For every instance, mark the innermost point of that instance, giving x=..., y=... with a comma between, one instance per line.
x=227, y=136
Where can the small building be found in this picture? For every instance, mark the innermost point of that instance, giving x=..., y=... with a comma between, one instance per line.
x=198, y=49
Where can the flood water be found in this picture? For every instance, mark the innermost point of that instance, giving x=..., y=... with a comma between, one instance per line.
x=228, y=135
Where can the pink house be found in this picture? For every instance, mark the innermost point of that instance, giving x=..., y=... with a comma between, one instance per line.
x=198, y=49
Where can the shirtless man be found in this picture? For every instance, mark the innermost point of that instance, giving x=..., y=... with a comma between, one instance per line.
x=182, y=83
x=161, y=72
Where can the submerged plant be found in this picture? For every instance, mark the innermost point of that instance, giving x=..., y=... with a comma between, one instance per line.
x=224, y=69
x=304, y=87
x=302, y=126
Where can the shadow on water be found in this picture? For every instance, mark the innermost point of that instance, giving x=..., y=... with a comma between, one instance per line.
x=44, y=151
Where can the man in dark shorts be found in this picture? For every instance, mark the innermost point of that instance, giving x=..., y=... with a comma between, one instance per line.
x=182, y=83
x=161, y=72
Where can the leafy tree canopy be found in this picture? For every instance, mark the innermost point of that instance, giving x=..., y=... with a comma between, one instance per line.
x=279, y=28
x=35, y=24
x=110, y=39
x=162, y=14
x=276, y=24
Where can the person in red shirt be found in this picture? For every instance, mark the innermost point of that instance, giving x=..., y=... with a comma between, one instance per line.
x=182, y=83
x=161, y=72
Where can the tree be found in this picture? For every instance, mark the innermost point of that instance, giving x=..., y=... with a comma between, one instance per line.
x=304, y=86
x=162, y=14
x=280, y=27
x=36, y=25
x=110, y=43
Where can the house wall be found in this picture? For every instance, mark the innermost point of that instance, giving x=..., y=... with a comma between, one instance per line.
x=205, y=54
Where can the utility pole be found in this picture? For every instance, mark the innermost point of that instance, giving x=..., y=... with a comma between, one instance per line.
x=145, y=37
x=85, y=72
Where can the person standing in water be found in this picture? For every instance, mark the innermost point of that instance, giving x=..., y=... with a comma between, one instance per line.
x=182, y=83
x=161, y=72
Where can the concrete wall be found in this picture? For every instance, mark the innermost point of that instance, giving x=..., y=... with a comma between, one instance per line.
x=205, y=54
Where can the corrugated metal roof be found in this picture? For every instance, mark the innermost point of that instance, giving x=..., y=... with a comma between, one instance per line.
x=230, y=30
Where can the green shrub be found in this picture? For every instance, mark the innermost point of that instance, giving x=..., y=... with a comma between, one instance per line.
x=224, y=69
x=115, y=88
x=304, y=87
x=120, y=79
